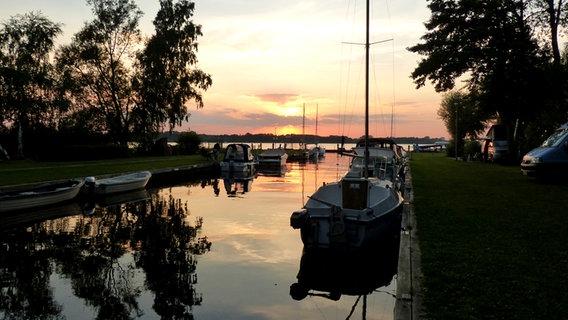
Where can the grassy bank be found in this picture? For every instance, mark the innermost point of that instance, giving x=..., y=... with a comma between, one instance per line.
x=494, y=243
x=27, y=171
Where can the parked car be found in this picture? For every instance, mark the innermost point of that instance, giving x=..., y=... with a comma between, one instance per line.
x=495, y=147
x=551, y=158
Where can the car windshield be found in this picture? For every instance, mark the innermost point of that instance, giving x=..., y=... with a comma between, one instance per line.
x=555, y=139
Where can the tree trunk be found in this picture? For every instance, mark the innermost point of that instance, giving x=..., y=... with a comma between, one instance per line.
x=20, y=150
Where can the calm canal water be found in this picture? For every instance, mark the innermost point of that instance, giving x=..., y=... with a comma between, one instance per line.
x=202, y=250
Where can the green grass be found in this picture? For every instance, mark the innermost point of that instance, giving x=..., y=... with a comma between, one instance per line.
x=494, y=243
x=27, y=171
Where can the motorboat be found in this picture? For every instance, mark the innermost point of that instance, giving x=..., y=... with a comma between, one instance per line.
x=317, y=152
x=238, y=159
x=22, y=198
x=273, y=157
x=357, y=210
x=117, y=184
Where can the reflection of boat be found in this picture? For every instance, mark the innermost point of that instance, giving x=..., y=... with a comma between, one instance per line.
x=27, y=217
x=40, y=196
x=238, y=159
x=123, y=198
x=273, y=157
x=237, y=183
x=273, y=171
x=114, y=199
x=355, y=210
x=116, y=184
x=331, y=273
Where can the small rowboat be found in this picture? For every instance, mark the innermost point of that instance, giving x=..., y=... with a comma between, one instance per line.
x=116, y=184
x=40, y=195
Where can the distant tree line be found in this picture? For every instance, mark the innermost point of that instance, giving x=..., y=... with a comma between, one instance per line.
x=289, y=138
x=509, y=63
x=109, y=86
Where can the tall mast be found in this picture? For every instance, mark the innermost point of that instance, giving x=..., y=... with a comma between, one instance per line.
x=317, y=125
x=367, y=91
x=304, y=127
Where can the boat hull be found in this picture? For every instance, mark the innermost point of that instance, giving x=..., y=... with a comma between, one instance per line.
x=273, y=157
x=119, y=184
x=334, y=218
x=40, y=196
x=234, y=167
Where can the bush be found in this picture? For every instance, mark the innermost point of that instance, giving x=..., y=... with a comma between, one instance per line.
x=188, y=143
x=472, y=149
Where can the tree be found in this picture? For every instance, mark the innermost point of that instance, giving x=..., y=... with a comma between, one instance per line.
x=168, y=78
x=188, y=142
x=489, y=44
x=99, y=61
x=26, y=76
x=462, y=116
x=549, y=16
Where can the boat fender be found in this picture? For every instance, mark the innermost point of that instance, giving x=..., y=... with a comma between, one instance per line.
x=299, y=219
x=298, y=291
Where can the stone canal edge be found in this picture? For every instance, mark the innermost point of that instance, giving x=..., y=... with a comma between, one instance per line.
x=408, y=305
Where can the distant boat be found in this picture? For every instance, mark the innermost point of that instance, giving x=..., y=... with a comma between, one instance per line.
x=40, y=195
x=238, y=159
x=385, y=160
x=317, y=151
x=273, y=157
x=117, y=184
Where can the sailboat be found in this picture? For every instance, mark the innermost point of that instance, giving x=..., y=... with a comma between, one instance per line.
x=317, y=151
x=355, y=211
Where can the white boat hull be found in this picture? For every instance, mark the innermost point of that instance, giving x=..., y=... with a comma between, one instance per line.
x=238, y=160
x=273, y=157
x=118, y=184
x=244, y=168
x=40, y=197
x=335, y=216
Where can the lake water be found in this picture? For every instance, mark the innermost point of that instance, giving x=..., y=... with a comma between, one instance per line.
x=201, y=250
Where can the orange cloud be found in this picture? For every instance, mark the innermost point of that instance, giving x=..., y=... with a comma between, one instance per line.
x=278, y=97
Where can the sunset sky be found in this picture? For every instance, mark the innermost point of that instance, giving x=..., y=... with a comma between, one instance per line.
x=270, y=58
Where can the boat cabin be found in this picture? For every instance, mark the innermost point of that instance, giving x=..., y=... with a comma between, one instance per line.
x=238, y=152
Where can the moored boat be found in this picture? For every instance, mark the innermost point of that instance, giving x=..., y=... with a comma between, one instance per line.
x=357, y=210
x=238, y=159
x=40, y=196
x=273, y=157
x=116, y=184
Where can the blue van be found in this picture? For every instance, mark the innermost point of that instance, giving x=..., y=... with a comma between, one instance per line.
x=551, y=158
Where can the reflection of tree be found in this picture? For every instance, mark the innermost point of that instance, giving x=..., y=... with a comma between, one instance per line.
x=92, y=260
x=167, y=255
x=93, y=253
x=24, y=278
x=211, y=182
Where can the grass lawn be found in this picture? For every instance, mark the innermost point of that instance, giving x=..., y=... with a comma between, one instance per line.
x=494, y=243
x=26, y=171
